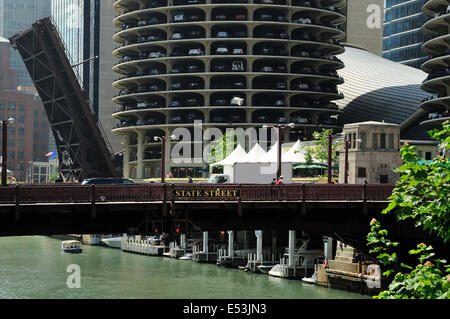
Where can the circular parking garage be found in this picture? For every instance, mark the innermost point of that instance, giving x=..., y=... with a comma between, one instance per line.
x=244, y=63
x=437, y=47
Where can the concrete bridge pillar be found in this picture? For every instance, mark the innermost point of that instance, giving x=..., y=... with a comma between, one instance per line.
x=259, y=244
x=328, y=247
x=183, y=241
x=291, y=262
x=205, y=242
x=231, y=243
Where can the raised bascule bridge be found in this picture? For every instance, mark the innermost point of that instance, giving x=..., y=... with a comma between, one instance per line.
x=83, y=149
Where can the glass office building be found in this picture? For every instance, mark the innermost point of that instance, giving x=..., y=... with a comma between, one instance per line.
x=68, y=16
x=402, y=33
x=17, y=16
x=77, y=23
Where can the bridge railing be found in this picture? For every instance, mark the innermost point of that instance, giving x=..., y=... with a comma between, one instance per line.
x=76, y=193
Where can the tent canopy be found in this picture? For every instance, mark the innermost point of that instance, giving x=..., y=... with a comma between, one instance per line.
x=256, y=155
x=231, y=159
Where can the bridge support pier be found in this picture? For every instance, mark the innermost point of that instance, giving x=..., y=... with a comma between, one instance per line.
x=205, y=243
x=291, y=262
x=328, y=247
x=231, y=244
x=259, y=245
x=183, y=241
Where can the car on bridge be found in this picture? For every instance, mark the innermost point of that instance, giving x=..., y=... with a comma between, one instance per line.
x=107, y=180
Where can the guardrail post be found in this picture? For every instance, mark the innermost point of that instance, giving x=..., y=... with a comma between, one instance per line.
x=17, y=208
x=164, y=208
x=172, y=201
x=240, y=201
x=93, y=209
x=365, y=199
x=303, y=199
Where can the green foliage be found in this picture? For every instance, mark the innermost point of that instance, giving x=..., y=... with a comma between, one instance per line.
x=53, y=178
x=320, y=152
x=422, y=194
x=223, y=147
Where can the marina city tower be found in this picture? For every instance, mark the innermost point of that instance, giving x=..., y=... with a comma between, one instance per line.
x=240, y=63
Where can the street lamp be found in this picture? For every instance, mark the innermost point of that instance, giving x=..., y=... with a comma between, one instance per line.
x=346, y=148
x=280, y=129
x=4, y=154
x=163, y=140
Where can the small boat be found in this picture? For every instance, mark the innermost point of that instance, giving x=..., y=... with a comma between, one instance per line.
x=265, y=268
x=114, y=242
x=278, y=271
x=71, y=246
x=187, y=256
x=310, y=280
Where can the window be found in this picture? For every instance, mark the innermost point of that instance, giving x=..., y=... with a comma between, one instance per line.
x=384, y=179
x=20, y=155
x=11, y=131
x=391, y=141
x=11, y=155
x=361, y=172
x=374, y=140
x=428, y=156
x=382, y=140
x=21, y=119
x=21, y=107
x=420, y=153
x=21, y=131
x=21, y=143
x=11, y=142
x=363, y=137
x=2, y=106
x=36, y=113
x=354, y=140
x=11, y=106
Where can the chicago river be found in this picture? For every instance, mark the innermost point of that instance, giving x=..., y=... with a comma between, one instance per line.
x=35, y=267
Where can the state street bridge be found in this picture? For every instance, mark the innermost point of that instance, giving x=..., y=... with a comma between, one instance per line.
x=342, y=211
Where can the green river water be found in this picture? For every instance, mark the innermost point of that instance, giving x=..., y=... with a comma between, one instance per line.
x=35, y=267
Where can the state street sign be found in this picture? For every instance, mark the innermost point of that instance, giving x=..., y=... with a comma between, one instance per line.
x=206, y=193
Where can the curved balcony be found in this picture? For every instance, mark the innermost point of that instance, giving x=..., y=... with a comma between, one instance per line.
x=437, y=26
x=436, y=104
x=435, y=64
x=434, y=6
x=435, y=122
x=437, y=83
x=437, y=46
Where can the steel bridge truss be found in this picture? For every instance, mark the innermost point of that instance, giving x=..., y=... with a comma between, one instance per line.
x=83, y=150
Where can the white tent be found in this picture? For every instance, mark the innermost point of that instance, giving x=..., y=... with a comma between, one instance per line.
x=272, y=155
x=256, y=155
x=296, y=154
x=231, y=159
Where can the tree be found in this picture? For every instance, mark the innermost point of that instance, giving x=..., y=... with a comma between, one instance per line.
x=320, y=151
x=222, y=147
x=421, y=194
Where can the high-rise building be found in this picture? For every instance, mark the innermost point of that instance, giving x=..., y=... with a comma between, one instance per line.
x=16, y=16
x=437, y=47
x=28, y=136
x=402, y=33
x=244, y=64
x=85, y=27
